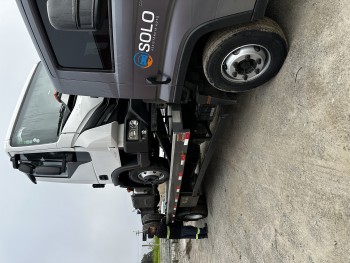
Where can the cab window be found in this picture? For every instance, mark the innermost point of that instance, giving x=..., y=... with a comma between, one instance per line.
x=79, y=50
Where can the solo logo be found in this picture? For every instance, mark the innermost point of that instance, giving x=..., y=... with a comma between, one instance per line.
x=142, y=58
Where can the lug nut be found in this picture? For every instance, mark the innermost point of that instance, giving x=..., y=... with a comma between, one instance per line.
x=258, y=61
x=247, y=57
x=257, y=49
x=257, y=71
x=224, y=67
x=236, y=52
x=234, y=74
x=245, y=77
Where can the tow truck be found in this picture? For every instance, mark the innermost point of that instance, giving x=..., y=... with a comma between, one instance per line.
x=126, y=92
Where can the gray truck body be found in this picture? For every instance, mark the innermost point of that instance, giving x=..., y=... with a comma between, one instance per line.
x=165, y=31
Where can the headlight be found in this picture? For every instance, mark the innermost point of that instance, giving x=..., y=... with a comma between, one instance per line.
x=133, y=124
x=133, y=133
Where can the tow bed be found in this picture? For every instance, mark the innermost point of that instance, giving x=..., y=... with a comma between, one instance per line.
x=187, y=203
x=180, y=139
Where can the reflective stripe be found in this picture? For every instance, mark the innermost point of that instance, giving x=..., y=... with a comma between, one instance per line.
x=198, y=231
x=168, y=232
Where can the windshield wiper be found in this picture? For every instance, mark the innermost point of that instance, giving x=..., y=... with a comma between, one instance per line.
x=60, y=119
x=64, y=108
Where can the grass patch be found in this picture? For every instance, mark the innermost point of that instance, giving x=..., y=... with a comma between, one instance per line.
x=156, y=250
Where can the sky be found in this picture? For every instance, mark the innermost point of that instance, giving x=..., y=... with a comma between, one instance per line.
x=47, y=222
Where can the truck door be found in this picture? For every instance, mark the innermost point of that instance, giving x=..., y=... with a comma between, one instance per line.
x=58, y=167
x=120, y=56
x=150, y=37
x=140, y=31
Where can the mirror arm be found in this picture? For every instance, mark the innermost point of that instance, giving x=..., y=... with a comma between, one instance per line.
x=32, y=178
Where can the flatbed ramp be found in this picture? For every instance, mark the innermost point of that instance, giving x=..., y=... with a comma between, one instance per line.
x=180, y=140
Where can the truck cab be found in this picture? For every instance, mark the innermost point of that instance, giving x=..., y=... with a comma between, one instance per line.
x=53, y=136
x=150, y=50
x=58, y=137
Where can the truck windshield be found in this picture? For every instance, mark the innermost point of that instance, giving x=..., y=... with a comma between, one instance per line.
x=79, y=50
x=39, y=115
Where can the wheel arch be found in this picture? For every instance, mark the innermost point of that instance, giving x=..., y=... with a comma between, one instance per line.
x=201, y=33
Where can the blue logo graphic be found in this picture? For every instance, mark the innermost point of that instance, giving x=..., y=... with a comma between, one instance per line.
x=143, y=60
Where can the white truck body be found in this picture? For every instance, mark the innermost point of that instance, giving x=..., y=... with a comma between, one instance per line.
x=101, y=143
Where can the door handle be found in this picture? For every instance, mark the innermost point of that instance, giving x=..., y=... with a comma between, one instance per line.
x=154, y=81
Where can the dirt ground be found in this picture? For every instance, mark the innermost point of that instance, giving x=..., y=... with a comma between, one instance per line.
x=278, y=187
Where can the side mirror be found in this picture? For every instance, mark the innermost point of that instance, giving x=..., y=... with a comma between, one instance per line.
x=73, y=15
x=15, y=160
x=28, y=169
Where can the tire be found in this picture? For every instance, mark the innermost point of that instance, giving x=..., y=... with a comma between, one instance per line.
x=241, y=58
x=156, y=173
x=148, y=218
x=192, y=214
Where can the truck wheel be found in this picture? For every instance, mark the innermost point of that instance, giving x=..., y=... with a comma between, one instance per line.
x=148, y=218
x=242, y=58
x=156, y=173
x=192, y=214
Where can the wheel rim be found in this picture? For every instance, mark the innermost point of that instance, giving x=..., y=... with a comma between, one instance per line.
x=245, y=63
x=151, y=176
x=193, y=216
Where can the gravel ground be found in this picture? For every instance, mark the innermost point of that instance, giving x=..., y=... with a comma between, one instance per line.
x=278, y=188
